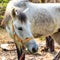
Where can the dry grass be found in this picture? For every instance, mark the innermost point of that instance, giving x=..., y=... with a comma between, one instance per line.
x=12, y=55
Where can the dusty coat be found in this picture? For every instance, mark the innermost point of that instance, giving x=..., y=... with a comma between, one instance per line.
x=44, y=18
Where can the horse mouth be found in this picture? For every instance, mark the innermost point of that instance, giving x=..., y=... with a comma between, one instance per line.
x=32, y=52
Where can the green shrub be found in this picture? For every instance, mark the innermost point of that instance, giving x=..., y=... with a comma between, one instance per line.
x=0, y=1
x=2, y=10
x=5, y=1
x=3, y=5
x=1, y=17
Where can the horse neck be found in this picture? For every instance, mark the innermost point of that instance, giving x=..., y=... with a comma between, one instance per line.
x=32, y=10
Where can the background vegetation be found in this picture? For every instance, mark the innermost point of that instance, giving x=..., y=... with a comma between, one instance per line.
x=3, y=4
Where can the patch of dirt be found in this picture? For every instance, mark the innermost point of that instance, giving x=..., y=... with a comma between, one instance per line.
x=12, y=55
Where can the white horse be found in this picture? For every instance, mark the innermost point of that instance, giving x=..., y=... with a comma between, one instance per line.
x=16, y=23
x=44, y=19
x=30, y=18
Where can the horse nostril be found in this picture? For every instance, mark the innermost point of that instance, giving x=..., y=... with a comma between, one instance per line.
x=34, y=50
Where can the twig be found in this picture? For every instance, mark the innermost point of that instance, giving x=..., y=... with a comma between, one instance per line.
x=57, y=57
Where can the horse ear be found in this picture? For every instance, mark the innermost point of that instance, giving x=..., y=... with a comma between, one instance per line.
x=27, y=9
x=13, y=13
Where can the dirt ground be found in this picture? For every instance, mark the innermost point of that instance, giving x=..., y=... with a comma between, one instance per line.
x=12, y=55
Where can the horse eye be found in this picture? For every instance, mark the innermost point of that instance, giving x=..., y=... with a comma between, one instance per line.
x=20, y=28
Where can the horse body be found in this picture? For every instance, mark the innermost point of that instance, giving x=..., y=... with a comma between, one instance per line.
x=41, y=15
x=44, y=18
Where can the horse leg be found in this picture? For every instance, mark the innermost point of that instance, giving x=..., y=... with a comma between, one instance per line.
x=50, y=43
x=56, y=37
x=19, y=53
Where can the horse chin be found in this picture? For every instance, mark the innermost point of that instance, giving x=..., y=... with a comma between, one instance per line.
x=32, y=52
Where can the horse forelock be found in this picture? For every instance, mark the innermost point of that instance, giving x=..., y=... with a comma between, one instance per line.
x=22, y=17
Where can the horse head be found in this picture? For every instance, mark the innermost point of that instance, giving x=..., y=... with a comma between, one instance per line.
x=22, y=29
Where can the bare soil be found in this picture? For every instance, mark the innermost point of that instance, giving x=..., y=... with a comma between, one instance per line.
x=12, y=55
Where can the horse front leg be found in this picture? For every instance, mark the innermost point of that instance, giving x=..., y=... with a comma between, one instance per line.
x=20, y=54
